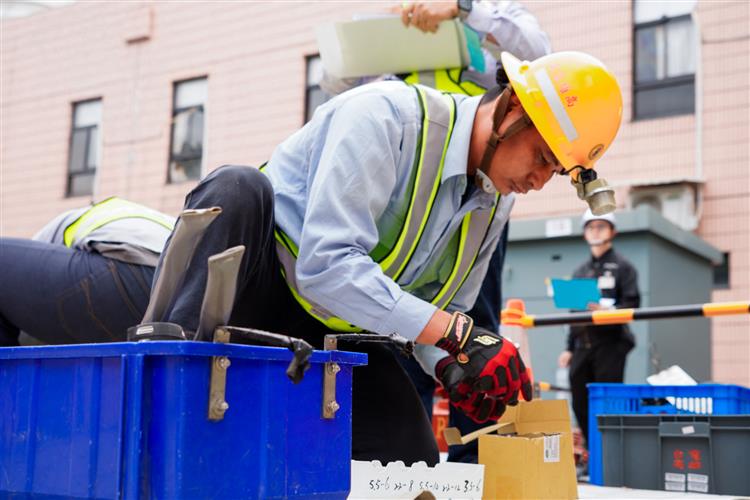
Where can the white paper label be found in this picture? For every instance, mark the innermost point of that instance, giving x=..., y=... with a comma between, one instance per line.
x=688, y=429
x=699, y=487
x=606, y=282
x=558, y=227
x=552, y=448
x=697, y=478
x=395, y=480
x=674, y=477
x=669, y=486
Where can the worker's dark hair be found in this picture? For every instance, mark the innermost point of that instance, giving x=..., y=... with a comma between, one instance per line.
x=501, y=78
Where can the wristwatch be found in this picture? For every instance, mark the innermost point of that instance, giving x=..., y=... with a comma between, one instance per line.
x=464, y=8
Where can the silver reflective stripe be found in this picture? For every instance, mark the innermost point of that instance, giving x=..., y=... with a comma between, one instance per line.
x=426, y=78
x=479, y=225
x=555, y=104
x=437, y=124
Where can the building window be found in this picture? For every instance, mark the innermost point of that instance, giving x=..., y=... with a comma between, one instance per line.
x=721, y=272
x=664, y=54
x=314, y=95
x=85, y=146
x=186, y=145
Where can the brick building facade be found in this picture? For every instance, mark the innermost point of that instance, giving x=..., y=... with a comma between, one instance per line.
x=253, y=56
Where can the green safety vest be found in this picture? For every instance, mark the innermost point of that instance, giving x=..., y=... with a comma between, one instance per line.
x=107, y=211
x=446, y=80
x=438, y=118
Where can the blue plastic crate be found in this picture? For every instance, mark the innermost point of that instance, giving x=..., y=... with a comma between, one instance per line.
x=129, y=420
x=622, y=399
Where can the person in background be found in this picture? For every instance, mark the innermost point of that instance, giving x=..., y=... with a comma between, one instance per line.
x=598, y=353
x=84, y=277
x=501, y=26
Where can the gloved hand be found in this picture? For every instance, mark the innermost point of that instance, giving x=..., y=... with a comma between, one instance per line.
x=476, y=405
x=489, y=363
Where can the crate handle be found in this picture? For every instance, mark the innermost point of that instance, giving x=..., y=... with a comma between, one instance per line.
x=302, y=350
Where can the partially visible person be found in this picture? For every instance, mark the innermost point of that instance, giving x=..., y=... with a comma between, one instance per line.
x=84, y=277
x=598, y=353
x=501, y=26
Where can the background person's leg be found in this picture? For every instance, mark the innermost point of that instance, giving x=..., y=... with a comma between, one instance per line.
x=59, y=295
x=581, y=373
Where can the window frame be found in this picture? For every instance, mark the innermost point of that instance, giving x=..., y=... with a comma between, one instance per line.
x=176, y=111
x=69, y=174
x=663, y=83
x=721, y=269
x=306, y=115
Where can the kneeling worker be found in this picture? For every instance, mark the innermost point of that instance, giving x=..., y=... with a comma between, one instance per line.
x=381, y=214
x=85, y=277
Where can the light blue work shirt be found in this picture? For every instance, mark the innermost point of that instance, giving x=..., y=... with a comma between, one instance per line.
x=341, y=183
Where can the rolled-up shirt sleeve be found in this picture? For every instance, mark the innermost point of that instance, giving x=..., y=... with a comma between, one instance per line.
x=513, y=27
x=351, y=186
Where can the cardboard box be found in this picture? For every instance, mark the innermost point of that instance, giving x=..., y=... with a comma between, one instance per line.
x=531, y=456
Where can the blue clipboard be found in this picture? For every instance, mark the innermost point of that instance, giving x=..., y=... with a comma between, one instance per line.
x=575, y=293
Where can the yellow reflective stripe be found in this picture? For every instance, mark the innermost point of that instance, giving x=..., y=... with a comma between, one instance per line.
x=444, y=83
x=413, y=78
x=396, y=252
x=725, y=308
x=448, y=80
x=71, y=232
x=464, y=238
x=618, y=316
x=438, y=179
x=461, y=246
x=467, y=87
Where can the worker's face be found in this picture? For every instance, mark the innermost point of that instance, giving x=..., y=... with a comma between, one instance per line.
x=598, y=232
x=523, y=162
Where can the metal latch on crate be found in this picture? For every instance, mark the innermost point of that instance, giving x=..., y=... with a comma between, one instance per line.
x=330, y=343
x=217, y=403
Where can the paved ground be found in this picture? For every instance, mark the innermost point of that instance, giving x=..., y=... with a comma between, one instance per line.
x=591, y=491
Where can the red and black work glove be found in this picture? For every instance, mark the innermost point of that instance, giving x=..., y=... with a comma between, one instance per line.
x=478, y=406
x=490, y=363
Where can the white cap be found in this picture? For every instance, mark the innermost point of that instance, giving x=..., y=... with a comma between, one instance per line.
x=588, y=217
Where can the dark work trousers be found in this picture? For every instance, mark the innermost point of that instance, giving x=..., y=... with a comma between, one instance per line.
x=61, y=295
x=600, y=362
x=486, y=312
x=388, y=422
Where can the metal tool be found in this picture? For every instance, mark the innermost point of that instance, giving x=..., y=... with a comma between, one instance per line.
x=186, y=236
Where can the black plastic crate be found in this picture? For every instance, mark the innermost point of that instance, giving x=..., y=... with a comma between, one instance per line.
x=695, y=453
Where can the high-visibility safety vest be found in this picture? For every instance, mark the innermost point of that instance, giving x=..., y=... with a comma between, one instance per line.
x=452, y=80
x=107, y=211
x=438, y=118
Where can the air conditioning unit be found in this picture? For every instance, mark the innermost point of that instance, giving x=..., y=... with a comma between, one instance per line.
x=677, y=201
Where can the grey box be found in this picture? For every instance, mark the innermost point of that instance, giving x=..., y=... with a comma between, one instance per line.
x=691, y=453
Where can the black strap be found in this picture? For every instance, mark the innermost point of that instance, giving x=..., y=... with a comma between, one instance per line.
x=501, y=109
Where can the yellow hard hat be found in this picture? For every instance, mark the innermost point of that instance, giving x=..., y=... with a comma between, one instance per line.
x=574, y=102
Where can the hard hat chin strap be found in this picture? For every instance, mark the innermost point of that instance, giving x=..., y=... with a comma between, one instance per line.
x=501, y=109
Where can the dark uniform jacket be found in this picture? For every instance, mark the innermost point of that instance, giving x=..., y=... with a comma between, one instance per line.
x=618, y=280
